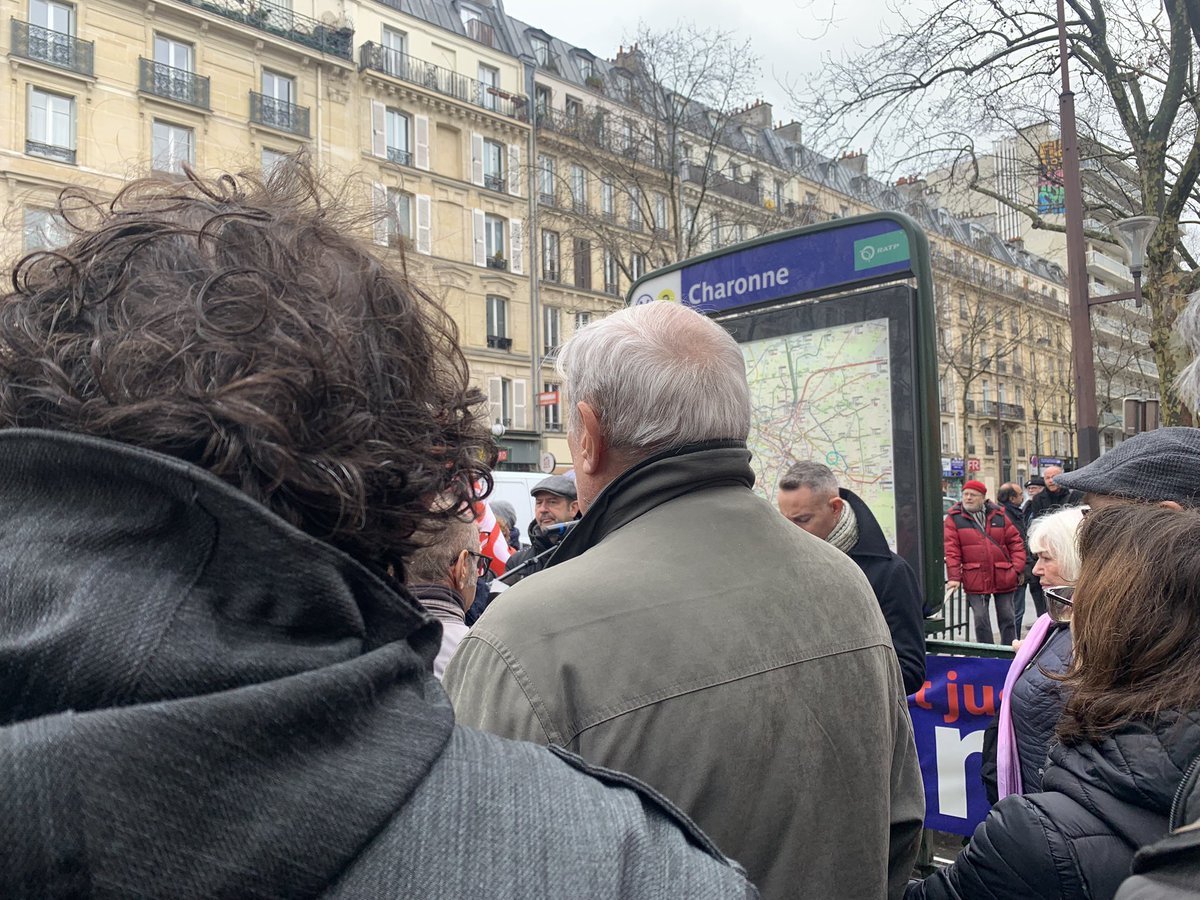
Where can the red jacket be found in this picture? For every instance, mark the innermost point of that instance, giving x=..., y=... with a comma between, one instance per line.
x=983, y=566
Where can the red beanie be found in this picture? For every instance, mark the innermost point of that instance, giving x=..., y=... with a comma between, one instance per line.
x=976, y=486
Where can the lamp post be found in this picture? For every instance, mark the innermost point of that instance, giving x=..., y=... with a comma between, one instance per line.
x=1132, y=233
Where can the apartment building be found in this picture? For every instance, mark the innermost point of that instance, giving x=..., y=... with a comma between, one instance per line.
x=527, y=181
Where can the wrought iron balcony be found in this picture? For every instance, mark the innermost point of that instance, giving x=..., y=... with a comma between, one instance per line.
x=53, y=47
x=399, y=155
x=494, y=182
x=439, y=79
x=51, y=151
x=278, y=114
x=283, y=22
x=499, y=342
x=1006, y=410
x=174, y=84
x=550, y=272
x=497, y=262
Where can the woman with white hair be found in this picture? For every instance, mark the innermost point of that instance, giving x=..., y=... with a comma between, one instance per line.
x=1032, y=701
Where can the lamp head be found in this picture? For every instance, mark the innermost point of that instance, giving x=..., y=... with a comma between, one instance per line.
x=1134, y=235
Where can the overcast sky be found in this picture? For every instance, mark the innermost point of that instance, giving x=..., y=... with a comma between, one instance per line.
x=790, y=36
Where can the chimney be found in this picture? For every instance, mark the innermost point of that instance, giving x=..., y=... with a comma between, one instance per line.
x=789, y=132
x=854, y=162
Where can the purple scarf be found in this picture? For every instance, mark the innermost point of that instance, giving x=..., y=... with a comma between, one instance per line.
x=1008, y=765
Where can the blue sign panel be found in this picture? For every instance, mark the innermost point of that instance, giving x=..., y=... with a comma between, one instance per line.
x=789, y=267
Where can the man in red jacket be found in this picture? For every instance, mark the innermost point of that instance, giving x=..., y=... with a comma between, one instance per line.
x=985, y=556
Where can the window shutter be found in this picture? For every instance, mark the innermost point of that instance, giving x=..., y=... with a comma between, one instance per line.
x=379, y=208
x=514, y=169
x=478, y=234
x=520, y=404
x=476, y=158
x=424, y=224
x=495, y=401
x=516, y=241
x=421, y=129
x=378, y=129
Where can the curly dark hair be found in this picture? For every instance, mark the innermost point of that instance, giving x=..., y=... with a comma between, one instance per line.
x=239, y=324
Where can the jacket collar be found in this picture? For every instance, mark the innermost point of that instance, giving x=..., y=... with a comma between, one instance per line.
x=441, y=601
x=654, y=481
x=170, y=647
x=871, y=541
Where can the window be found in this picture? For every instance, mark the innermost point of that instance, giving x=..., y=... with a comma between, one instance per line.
x=271, y=159
x=578, y=185
x=489, y=79
x=971, y=438
x=399, y=137
x=946, y=442
x=778, y=194
x=574, y=109
x=542, y=100
x=43, y=230
x=278, y=102
x=627, y=140
x=173, y=53
x=551, y=263
x=987, y=392
x=506, y=402
x=493, y=234
x=395, y=51
x=278, y=87
x=551, y=329
x=983, y=354
x=1020, y=396
x=660, y=212
x=546, y=176
x=637, y=266
x=608, y=207
x=173, y=146
x=399, y=217
x=635, y=212
x=552, y=412
x=583, y=263
x=497, y=323
x=587, y=67
x=541, y=50
x=477, y=29
x=51, y=38
x=611, y=273
x=51, y=126
x=582, y=320
x=1000, y=393
x=493, y=165
x=56, y=17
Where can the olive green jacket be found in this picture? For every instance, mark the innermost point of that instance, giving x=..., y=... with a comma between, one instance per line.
x=688, y=634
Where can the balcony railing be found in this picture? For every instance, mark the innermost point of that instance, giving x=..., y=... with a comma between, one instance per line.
x=50, y=151
x=494, y=182
x=278, y=114
x=174, y=84
x=399, y=155
x=498, y=342
x=441, y=80
x=547, y=199
x=54, y=47
x=550, y=272
x=610, y=287
x=497, y=262
x=1006, y=410
x=283, y=22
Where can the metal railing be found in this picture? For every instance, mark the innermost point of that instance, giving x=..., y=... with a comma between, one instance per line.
x=497, y=262
x=399, y=155
x=494, y=182
x=174, y=84
x=50, y=151
x=54, y=47
x=499, y=342
x=1006, y=410
x=441, y=80
x=279, y=114
x=283, y=22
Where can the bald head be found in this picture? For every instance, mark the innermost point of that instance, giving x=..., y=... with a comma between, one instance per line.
x=1050, y=474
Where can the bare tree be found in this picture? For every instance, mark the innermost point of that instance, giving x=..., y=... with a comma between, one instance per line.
x=670, y=150
x=969, y=68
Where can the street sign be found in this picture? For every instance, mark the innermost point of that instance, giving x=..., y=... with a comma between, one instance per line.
x=547, y=462
x=547, y=398
x=836, y=326
x=973, y=465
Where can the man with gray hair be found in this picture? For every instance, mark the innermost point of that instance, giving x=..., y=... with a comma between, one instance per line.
x=442, y=575
x=681, y=632
x=809, y=497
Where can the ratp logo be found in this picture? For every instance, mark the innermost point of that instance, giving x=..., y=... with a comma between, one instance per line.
x=867, y=253
x=881, y=250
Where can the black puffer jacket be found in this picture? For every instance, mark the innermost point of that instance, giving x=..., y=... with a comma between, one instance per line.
x=1076, y=839
x=1037, y=704
x=1170, y=869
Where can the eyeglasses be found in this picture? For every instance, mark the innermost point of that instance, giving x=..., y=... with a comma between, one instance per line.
x=483, y=564
x=1059, y=603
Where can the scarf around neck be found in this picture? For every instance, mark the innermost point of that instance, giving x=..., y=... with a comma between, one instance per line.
x=845, y=533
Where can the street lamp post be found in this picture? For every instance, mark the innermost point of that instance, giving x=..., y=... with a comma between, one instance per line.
x=1133, y=233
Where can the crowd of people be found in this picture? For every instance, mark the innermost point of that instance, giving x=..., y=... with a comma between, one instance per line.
x=239, y=562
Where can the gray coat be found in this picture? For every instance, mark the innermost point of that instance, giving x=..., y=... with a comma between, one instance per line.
x=688, y=634
x=199, y=701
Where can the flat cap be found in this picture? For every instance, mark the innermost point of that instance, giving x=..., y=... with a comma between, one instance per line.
x=1035, y=481
x=555, y=484
x=1163, y=464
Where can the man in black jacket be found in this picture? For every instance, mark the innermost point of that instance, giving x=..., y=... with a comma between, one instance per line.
x=1010, y=496
x=809, y=496
x=555, y=506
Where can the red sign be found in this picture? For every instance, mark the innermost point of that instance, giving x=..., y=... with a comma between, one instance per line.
x=973, y=465
x=502, y=455
x=547, y=398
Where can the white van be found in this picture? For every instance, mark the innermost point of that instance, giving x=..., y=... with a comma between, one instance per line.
x=514, y=487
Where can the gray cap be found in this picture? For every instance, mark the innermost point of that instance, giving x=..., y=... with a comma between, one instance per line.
x=504, y=512
x=555, y=484
x=1163, y=464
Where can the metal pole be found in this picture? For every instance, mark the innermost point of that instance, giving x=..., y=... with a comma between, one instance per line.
x=1077, y=286
x=533, y=253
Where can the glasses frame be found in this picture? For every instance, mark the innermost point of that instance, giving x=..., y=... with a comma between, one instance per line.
x=1059, y=602
x=483, y=563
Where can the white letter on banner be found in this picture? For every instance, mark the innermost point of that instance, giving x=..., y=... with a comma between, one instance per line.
x=951, y=750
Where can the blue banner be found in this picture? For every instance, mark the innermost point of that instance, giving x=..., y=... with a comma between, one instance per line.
x=949, y=715
x=761, y=272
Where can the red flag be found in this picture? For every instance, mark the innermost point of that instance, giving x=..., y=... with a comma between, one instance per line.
x=491, y=539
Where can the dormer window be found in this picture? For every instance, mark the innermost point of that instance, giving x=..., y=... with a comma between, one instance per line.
x=541, y=50
x=587, y=67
